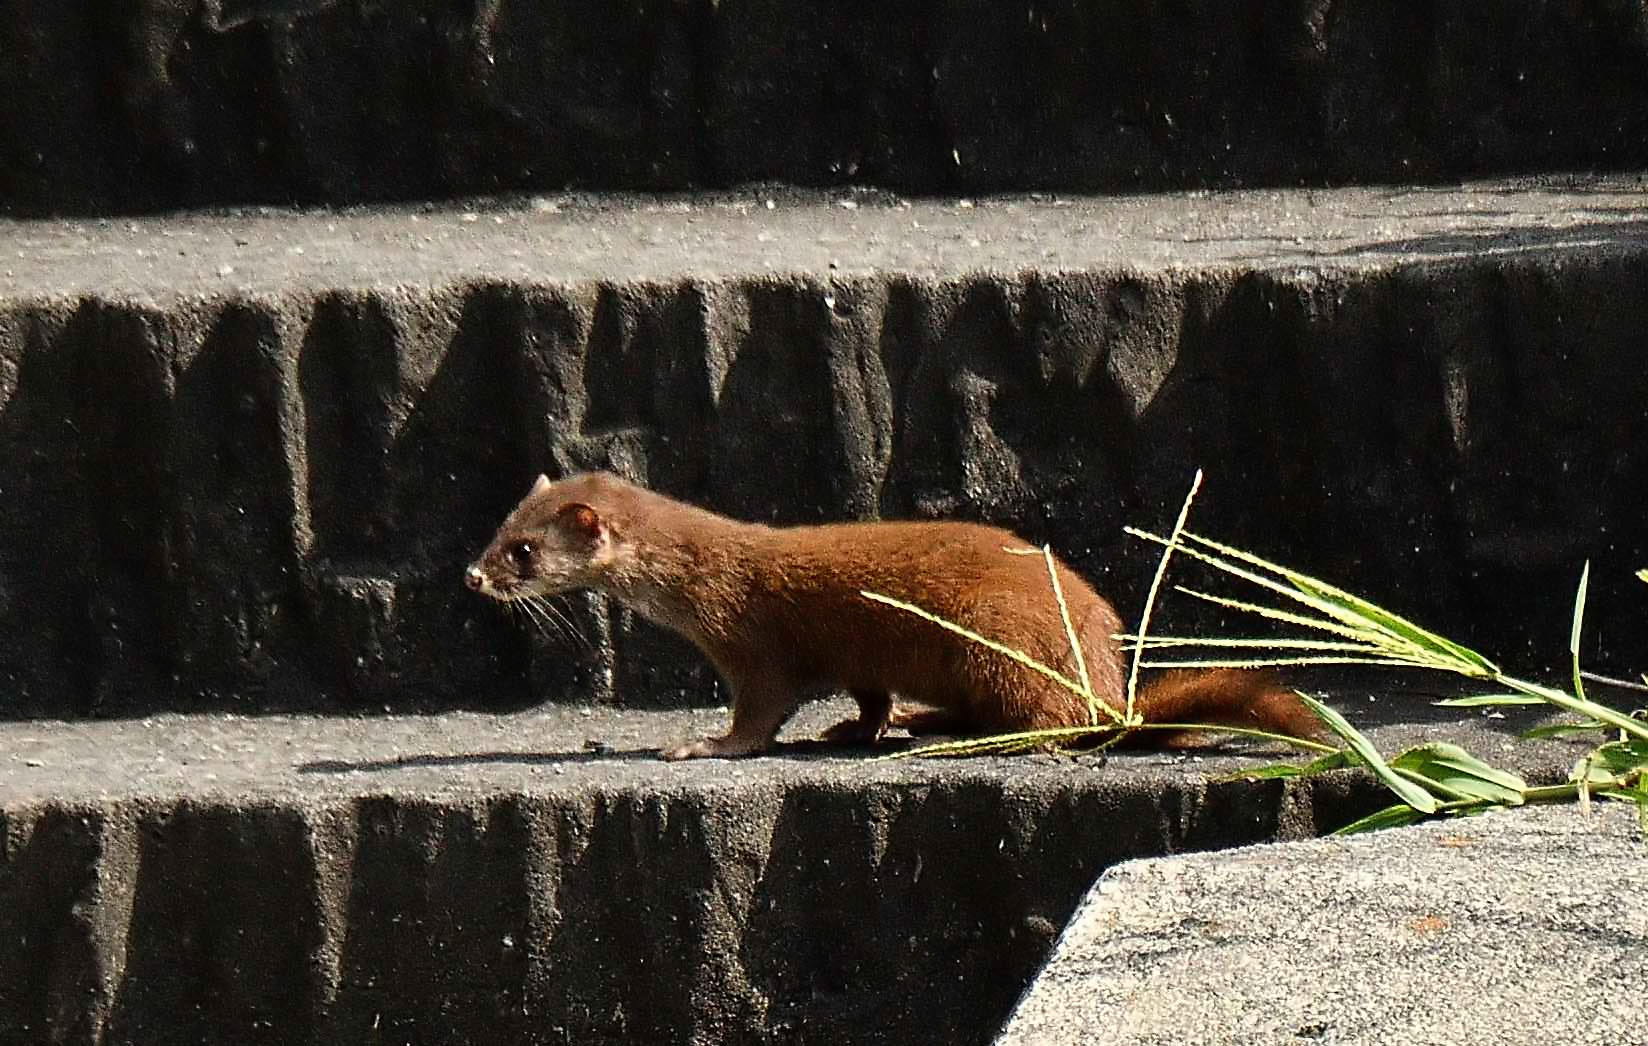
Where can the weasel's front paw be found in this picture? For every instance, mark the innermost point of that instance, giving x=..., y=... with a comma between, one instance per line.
x=718, y=747
x=691, y=750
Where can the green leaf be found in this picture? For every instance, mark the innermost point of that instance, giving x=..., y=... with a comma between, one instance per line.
x=1460, y=774
x=1621, y=757
x=1587, y=772
x=1612, y=763
x=1406, y=790
x=1489, y=701
x=1390, y=817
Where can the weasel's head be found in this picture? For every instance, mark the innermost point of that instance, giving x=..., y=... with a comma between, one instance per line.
x=553, y=541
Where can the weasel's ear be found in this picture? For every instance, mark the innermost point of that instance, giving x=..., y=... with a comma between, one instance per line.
x=539, y=485
x=581, y=520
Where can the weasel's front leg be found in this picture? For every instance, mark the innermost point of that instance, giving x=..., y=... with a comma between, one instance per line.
x=759, y=709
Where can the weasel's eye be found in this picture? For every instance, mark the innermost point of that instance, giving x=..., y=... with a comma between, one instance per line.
x=520, y=554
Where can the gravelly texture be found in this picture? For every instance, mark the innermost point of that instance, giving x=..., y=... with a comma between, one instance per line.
x=470, y=878
x=295, y=757
x=162, y=103
x=574, y=237
x=1524, y=927
x=234, y=475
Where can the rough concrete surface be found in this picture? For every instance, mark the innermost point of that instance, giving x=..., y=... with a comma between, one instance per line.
x=541, y=878
x=244, y=456
x=166, y=103
x=1520, y=927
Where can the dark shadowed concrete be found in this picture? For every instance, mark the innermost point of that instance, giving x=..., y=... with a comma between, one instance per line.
x=166, y=103
x=542, y=878
x=1519, y=928
x=244, y=457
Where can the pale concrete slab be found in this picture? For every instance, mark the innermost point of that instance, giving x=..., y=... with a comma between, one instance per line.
x=1516, y=927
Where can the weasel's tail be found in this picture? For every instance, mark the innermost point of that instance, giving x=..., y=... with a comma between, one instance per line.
x=1220, y=697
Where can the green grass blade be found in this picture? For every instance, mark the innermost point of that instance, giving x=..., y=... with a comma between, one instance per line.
x=1392, y=643
x=1155, y=587
x=1489, y=701
x=1355, y=610
x=1161, y=642
x=1006, y=651
x=1237, y=731
x=1560, y=730
x=1470, y=662
x=1574, y=629
x=1268, y=772
x=1024, y=740
x=1070, y=635
x=997, y=742
x=1589, y=709
x=1390, y=817
x=1360, y=635
x=1336, y=760
x=1406, y=790
x=1278, y=662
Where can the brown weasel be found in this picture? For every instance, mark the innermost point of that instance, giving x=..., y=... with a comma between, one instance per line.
x=780, y=614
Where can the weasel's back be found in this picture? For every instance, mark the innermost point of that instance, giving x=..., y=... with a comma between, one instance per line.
x=900, y=558
x=809, y=587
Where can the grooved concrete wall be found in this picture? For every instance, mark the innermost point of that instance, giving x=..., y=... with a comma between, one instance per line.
x=787, y=908
x=263, y=498
x=164, y=103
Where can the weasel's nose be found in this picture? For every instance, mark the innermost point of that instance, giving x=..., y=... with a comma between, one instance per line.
x=473, y=577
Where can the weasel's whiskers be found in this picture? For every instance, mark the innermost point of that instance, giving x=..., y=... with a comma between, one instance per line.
x=551, y=620
x=523, y=608
x=519, y=613
x=573, y=632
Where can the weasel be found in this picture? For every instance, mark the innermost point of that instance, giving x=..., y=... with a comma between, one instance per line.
x=779, y=612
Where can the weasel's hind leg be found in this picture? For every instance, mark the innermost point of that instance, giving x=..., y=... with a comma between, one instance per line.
x=875, y=708
x=924, y=722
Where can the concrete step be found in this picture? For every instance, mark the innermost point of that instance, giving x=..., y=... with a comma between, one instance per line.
x=167, y=103
x=244, y=455
x=541, y=878
x=1517, y=927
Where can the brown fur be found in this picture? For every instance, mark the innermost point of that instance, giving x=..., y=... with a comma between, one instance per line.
x=779, y=613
